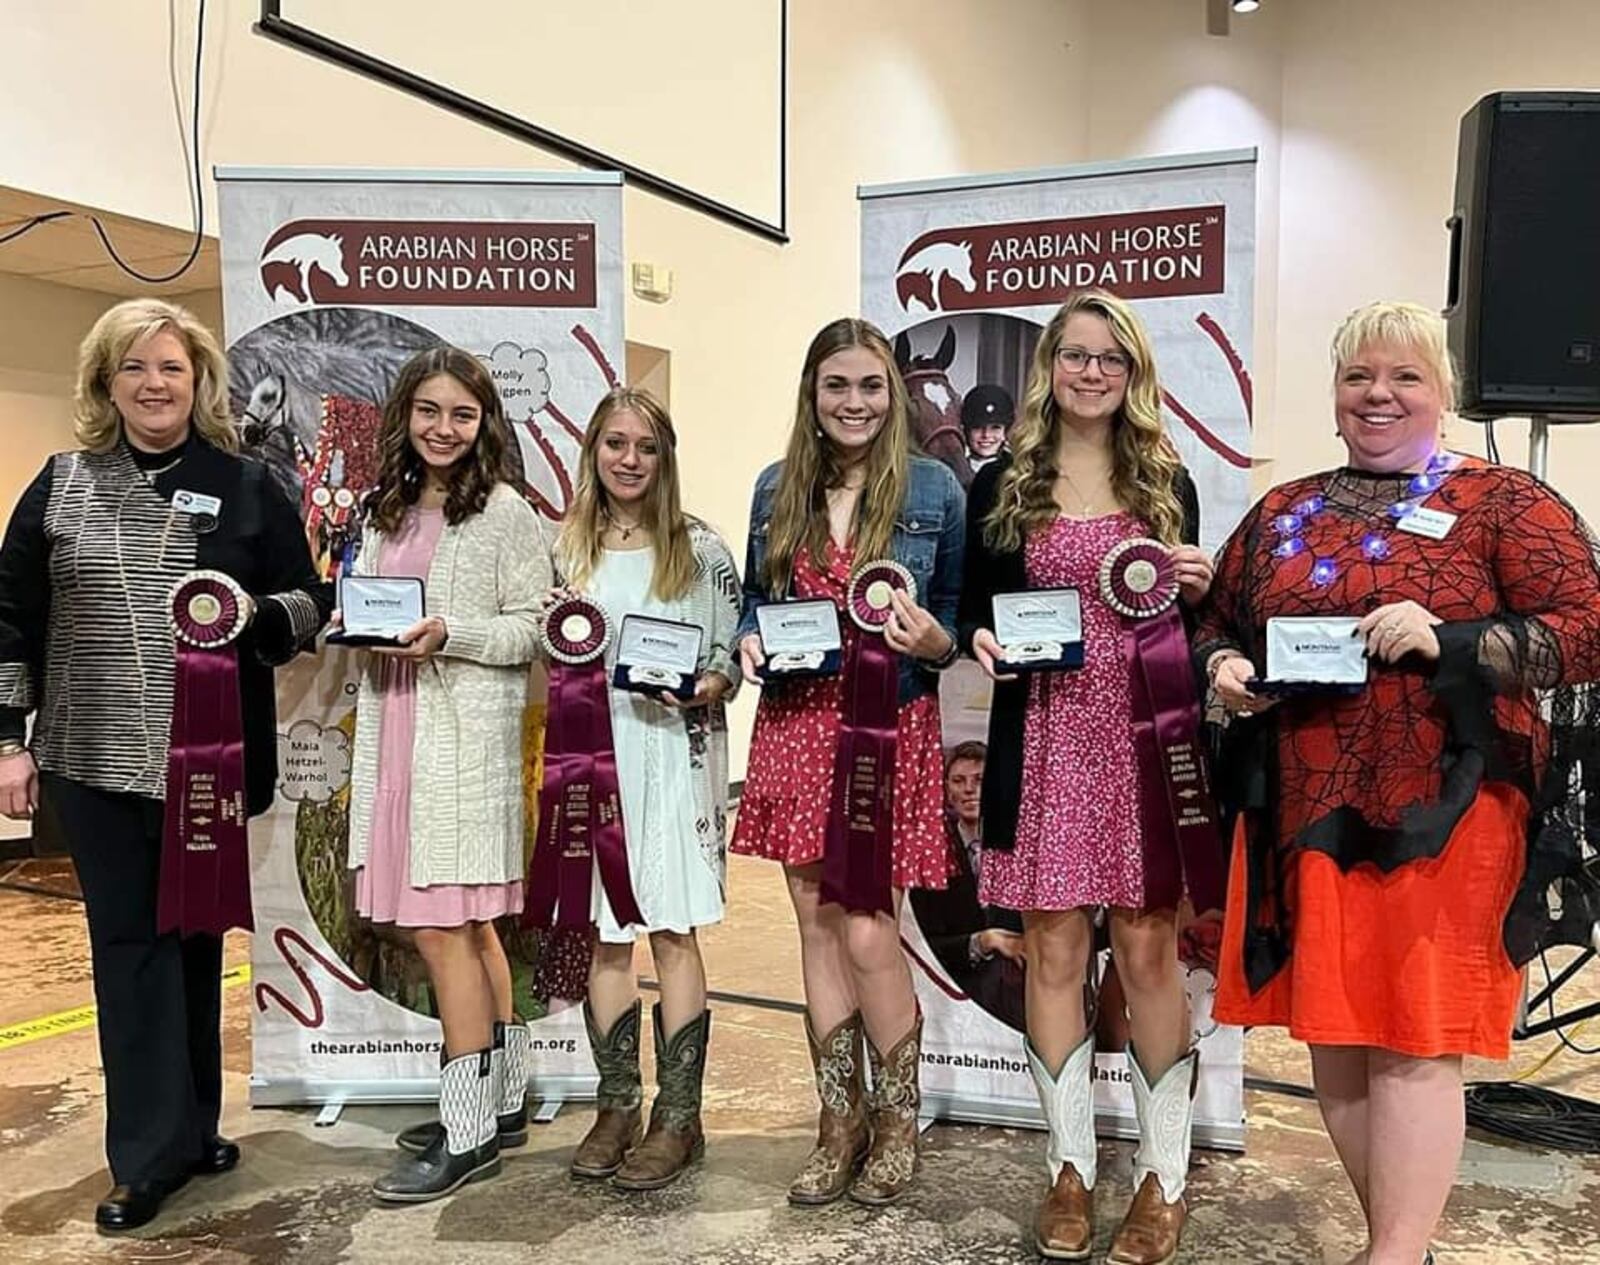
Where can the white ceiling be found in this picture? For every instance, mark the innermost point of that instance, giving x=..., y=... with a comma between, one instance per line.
x=68, y=251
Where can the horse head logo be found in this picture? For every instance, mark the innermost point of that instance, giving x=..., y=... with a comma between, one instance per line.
x=303, y=263
x=929, y=268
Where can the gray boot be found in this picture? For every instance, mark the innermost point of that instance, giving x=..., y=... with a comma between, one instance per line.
x=467, y=1148
x=512, y=1064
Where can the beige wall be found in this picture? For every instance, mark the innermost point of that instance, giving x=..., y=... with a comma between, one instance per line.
x=1354, y=105
x=41, y=325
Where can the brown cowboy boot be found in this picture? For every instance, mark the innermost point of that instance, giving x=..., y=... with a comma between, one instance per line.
x=675, y=1139
x=617, y=1122
x=1150, y=1232
x=894, y=1100
x=842, y=1135
x=1063, y=1228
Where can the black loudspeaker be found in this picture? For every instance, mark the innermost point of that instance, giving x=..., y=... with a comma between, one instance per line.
x=1524, y=305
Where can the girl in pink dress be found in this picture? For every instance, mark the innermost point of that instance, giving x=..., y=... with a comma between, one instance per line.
x=850, y=494
x=1065, y=806
x=436, y=812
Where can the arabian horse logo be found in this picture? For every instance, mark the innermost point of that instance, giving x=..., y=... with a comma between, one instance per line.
x=929, y=269
x=292, y=267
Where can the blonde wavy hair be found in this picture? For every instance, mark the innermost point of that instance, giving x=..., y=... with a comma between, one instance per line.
x=1409, y=325
x=578, y=544
x=1144, y=464
x=811, y=467
x=95, y=419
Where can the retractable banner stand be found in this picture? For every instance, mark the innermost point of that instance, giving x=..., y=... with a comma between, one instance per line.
x=963, y=275
x=331, y=281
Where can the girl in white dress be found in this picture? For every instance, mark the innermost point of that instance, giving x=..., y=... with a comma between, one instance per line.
x=627, y=544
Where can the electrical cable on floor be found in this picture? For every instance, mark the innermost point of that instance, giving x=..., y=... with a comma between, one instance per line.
x=1535, y=1116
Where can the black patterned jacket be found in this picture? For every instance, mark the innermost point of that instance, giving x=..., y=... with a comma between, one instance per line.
x=91, y=554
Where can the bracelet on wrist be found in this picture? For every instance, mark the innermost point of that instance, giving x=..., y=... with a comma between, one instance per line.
x=12, y=746
x=947, y=658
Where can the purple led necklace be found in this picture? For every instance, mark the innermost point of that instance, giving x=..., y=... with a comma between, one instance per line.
x=1375, y=544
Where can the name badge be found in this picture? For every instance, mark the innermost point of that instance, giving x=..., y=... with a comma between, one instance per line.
x=1320, y=650
x=187, y=502
x=1422, y=521
x=656, y=655
x=800, y=638
x=1039, y=630
x=375, y=610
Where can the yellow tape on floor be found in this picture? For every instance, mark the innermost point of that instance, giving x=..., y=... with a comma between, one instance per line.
x=80, y=1017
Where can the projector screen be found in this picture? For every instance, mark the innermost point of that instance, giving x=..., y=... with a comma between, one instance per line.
x=712, y=72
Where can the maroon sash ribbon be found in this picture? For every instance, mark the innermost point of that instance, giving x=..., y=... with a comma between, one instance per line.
x=205, y=858
x=580, y=800
x=858, y=846
x=1182, y=847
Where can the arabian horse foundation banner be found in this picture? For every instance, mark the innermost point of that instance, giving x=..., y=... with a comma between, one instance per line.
x=963, y=275
x=331, y=281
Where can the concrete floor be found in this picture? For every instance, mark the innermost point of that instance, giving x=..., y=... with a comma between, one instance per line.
x=301, y=1196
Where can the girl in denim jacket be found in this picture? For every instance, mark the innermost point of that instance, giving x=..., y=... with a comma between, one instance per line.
x=850, y=494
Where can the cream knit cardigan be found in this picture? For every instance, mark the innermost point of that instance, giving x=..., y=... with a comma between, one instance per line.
x=488, y=576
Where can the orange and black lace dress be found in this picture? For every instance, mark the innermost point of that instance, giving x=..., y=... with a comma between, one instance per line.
x=1398, y=855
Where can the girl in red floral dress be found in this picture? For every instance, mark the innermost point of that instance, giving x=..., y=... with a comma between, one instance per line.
x=849, y=494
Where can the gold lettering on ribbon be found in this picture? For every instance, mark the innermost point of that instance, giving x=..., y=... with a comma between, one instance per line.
x=200, y=807
x=1186, y=777
x=575, y=810
x=861, y=790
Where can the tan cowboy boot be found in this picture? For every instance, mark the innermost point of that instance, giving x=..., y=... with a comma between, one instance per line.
x=894, y=1101
x=1150, y=1232
x=1063, y=1229
x=675, y=1139
x=617, y=1122
x=842, y=1135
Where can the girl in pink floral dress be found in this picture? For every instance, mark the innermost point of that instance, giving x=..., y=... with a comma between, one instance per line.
x=1065, y=806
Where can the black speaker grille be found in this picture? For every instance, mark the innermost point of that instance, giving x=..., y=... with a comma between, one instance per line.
x=1540, y=293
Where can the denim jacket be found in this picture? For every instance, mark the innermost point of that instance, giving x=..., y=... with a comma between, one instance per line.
x=929, y=537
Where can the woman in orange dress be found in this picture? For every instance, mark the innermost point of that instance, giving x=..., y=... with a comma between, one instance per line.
x=1394, y=847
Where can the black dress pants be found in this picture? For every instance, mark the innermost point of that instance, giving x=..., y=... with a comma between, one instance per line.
x=159, y=996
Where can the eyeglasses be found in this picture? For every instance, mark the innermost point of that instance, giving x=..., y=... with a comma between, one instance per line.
x=1114, y=364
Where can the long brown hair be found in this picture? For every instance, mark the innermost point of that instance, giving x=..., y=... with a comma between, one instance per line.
x=811, y=467
x=1144, y=464
x=578, y=546
x=400, y=469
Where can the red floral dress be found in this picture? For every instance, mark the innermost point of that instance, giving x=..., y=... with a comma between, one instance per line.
x=783, y=813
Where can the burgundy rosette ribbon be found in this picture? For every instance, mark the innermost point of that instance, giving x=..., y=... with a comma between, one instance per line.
x=580, y=803
x=857, y=850
x=205, y=857
x=1182, y=847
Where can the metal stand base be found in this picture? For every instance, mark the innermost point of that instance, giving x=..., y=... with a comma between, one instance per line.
x=547, y=1110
